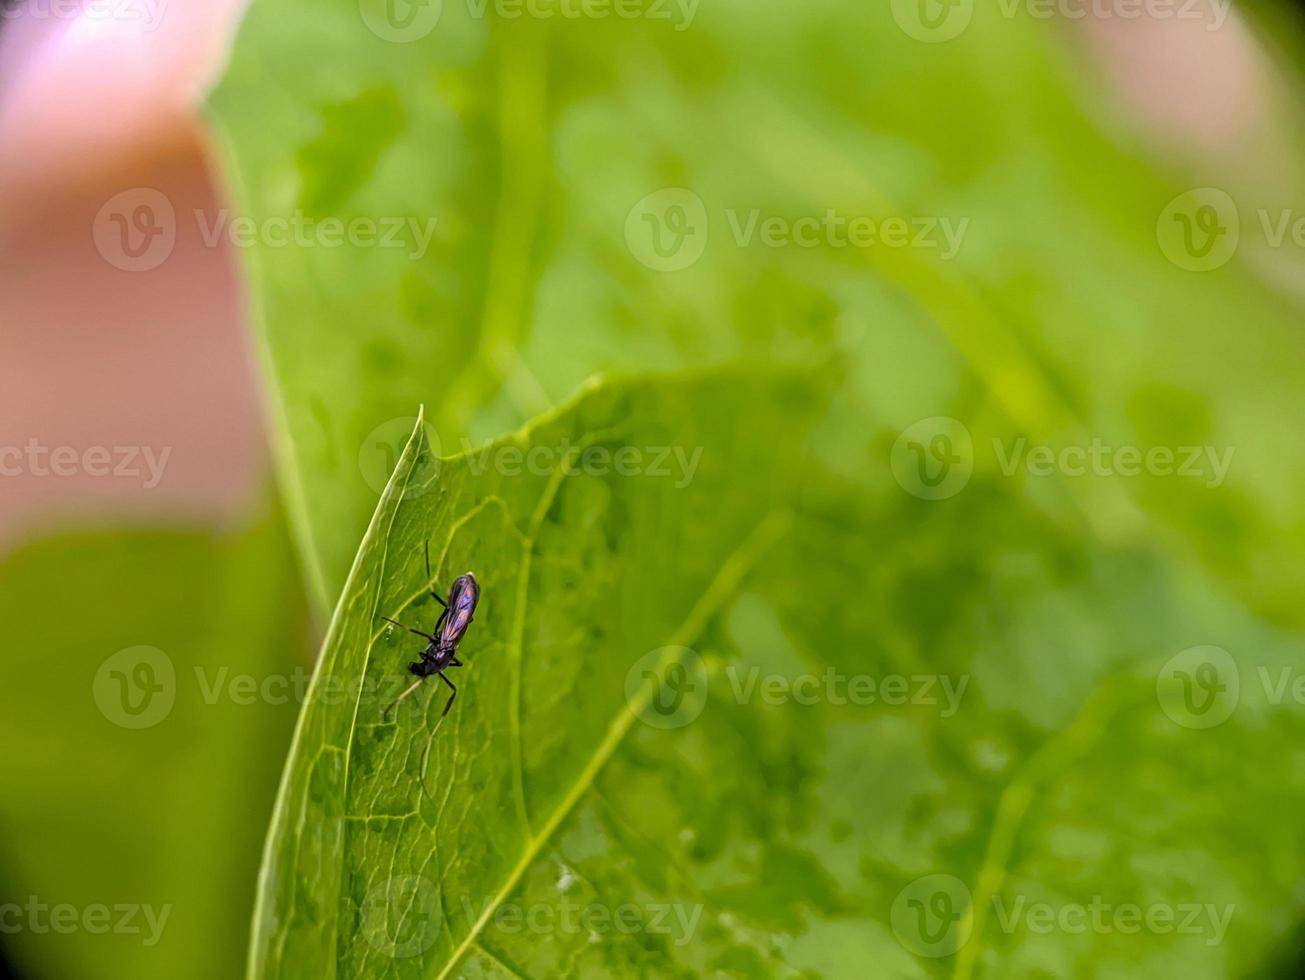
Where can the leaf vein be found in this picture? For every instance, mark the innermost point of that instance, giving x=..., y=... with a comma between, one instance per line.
x=769, y=530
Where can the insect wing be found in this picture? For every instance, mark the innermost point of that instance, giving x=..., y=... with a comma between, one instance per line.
x=462, y=603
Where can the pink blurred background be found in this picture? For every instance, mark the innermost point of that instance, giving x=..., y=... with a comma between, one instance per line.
x=92, y=355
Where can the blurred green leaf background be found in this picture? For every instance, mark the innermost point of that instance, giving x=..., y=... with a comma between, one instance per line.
x=617, y=231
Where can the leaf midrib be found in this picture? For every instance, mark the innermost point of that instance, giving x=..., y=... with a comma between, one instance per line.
x=762, y=537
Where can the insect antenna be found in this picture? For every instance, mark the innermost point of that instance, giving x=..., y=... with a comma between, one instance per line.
x=425, y=757
x=411, y=630
x=425, y=753
x=430, y=582
x=395, y=703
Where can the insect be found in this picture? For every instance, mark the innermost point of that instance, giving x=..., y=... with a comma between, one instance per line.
x=442, y=646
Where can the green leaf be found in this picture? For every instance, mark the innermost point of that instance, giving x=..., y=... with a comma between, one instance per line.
x=1013, y=753
x=140, y=765
x=801, y=831
x=533, y=159
x=586, y=574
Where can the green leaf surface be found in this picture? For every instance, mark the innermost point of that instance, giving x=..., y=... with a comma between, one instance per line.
x=800, y=837
x=525, y=166
x=583, y=820
x=584, y=572
x=141, y=755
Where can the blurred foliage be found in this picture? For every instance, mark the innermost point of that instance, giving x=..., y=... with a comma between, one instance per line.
x=529, y=142
x=169, y=815
x=1062, y=320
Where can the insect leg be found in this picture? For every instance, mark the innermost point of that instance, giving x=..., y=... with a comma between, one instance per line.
x=411, y=687
x=451, y=696
x=430, y=583
x=410, y=629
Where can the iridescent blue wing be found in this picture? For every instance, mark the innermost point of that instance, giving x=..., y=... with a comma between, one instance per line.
x=462, y=604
